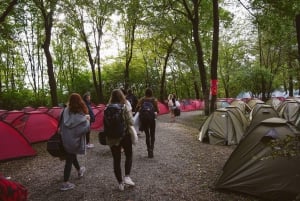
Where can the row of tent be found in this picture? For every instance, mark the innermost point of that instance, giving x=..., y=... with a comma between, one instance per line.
x=21, y=128
x=266, y=158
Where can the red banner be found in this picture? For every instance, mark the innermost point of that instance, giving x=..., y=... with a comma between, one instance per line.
x=214, y=87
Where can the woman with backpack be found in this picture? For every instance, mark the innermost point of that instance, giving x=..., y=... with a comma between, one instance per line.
x=116, y=141
x=148, y=109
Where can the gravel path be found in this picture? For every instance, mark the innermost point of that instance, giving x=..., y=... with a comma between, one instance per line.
x=183, y=169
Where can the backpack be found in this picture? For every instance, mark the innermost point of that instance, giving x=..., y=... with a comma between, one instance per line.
x=114, y=123
x=147, y=112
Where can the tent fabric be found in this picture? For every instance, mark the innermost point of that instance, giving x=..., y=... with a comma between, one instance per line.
x=251, y=103
x=36, y=126
x=55, y=112
x=240, y=115
x=240, y=104
x=290, y=110
x=274, y=102
x=252, y=169
x=222, y=127
x=10, y=116
x=163, y=108
x=261, y=112
x=13, y=144
x=98, y=112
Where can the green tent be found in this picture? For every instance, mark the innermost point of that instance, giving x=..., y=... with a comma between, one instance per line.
x=222, y=127
x=264, y=169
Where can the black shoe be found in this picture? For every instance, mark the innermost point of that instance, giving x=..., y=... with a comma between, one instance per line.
x=150, y=154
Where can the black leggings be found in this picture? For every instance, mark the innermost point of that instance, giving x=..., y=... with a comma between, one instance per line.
x=149, y=129
x=71, y=159
x=116, y=153
x=87, y=137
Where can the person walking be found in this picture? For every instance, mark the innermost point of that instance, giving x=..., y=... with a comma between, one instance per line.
x=132, y=99
x=87, y=99
x=74, y=126
x=118, y=143
x=171, y=107
x=148, y=109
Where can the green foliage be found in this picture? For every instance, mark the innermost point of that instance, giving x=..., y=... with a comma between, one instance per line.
x=287, y=147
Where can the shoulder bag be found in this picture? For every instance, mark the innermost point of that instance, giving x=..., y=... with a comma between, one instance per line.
x=55, y=145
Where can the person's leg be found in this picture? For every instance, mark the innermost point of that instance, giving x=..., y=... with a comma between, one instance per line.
x=67, y=171
x=152, y=134
x=68, y=166
x=88, y=137
x=127, y=145
x=148, y=143
x=116, y=153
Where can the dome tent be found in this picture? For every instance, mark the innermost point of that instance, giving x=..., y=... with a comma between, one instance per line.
x=222, y=127
x=253, y=169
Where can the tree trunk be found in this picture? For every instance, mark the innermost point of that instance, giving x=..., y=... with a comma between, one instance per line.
x=214, y=59
x=48, y=23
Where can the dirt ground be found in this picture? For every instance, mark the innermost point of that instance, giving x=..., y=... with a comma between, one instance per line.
x=183, y=169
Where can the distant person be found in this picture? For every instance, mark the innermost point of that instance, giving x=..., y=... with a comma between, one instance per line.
x=118, y=143
x=148, y=109
x=171, y=107
x=87, y=100
x=74, y=126
x=132, y=99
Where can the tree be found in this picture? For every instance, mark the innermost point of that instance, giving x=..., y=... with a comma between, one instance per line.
x=47, y=10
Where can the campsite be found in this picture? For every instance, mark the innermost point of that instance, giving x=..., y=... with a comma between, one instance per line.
x=196, y=158
x=230, y=69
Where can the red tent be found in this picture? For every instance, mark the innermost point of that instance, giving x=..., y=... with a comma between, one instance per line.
x=163, y=108
x=13, y=144
x=55, y=112
x=10, y=116
x=36, y=126
x=98, y=111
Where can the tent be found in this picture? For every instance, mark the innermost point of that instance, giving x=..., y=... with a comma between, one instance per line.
x=261, y=112
x=36, y=126
x=221, y=103
x=240, y=115
x=275, y=102
x=10, y=116
x=13, y=144
x=290, y=110
x=251, y=103
x=256, y=166
x=98, y=112
x=222, y=127
x=163, y=108
x=240, y=104
x=55, y=112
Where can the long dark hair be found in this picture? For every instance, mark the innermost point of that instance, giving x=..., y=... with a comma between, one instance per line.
x=117, y=96
x=76, y=104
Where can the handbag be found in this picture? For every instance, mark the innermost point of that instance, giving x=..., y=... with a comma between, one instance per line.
x=133, y=135
x=102, y=137
x=55, y=145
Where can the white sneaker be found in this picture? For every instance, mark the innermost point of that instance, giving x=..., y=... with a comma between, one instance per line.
x=128, y=181
x=67, y=186
x=121, y=187
x=90, y=146
x=81, y=171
